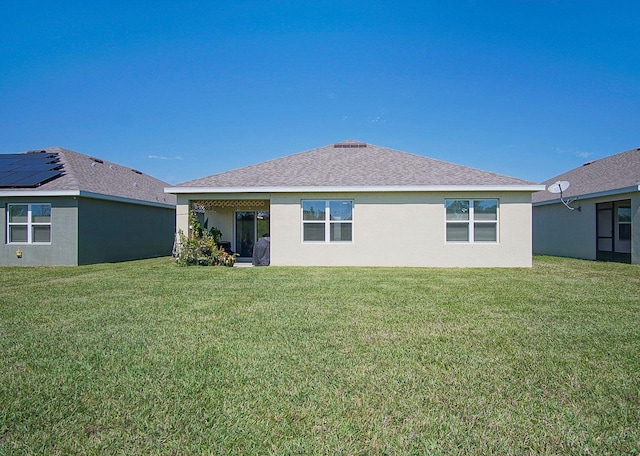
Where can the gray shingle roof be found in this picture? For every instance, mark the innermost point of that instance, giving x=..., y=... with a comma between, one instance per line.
x=352, y=164
x=86, y=174
x=615, y=172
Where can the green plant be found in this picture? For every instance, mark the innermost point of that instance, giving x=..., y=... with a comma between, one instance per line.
x=227, y=259
x=201, y=247
x=195, y=230
x=215, y=233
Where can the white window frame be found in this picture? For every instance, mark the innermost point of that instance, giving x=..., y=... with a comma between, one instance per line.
x=29, y=223
x=326, y=222
x=471, y=222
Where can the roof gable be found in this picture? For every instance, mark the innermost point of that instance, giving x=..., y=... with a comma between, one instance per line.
x=352, y=164
x=616, y=172
x=86, y=174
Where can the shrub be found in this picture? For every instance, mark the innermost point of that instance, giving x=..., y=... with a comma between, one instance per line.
x=201, y=248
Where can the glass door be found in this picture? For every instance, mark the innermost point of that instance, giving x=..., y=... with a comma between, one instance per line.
x=613, y=231
x=250, y=225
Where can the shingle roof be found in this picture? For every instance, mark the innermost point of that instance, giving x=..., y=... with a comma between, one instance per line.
x=87, y=174
x=615, y=172
x=352, y=164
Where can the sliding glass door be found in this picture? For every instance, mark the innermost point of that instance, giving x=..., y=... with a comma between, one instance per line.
x=249, y=226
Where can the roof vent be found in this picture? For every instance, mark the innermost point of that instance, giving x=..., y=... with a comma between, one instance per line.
x=350, y=144
x=97, y=160
x=136, y=171
x=588, y=163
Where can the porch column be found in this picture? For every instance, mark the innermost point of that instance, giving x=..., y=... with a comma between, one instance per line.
x=182, y=214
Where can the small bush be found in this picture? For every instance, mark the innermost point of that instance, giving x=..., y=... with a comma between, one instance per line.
x=201, y=248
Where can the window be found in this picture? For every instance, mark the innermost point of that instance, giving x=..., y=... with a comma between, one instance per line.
x=624, y=222
x=327, y=221
x=471, y=221
x=29, y=223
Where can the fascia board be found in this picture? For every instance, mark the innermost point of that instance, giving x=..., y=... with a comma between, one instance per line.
x=617, y=191
x=38, y=193
x=417, y=188
x=83, y=194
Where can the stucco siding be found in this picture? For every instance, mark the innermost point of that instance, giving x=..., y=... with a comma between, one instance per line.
x=222, y=219
x=182, y=213
x=635, y=228
x=112, y=231
x=401, y=229
x=63, y=249
x=562, y=232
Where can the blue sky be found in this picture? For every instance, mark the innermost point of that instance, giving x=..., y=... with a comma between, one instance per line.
x=182, y=90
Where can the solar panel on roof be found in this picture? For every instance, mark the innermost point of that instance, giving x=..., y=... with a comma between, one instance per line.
x=5, y=179
x=11, y=178
x=33, y=180
x=5, y=158
x=32, y=157
x=30, y=167
x=28, y=170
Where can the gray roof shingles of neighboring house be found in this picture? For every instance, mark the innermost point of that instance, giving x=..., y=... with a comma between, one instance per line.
x=96, y=176
x=616, y=172
x=352, y=164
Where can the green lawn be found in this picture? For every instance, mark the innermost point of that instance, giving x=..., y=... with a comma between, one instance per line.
x=148, y=358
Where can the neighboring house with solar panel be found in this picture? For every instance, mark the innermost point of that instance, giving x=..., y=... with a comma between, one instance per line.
x=64, y=208
x=356, y=204
x=601, y=220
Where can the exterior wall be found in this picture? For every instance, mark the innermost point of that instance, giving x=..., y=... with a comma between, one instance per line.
x=559, y=231
x=223, y=219
x=402, y=229
x=63, y=250
x=111, y=231
x=635, y=228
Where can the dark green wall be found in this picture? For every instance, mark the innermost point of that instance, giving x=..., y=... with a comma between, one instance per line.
x=111, y=231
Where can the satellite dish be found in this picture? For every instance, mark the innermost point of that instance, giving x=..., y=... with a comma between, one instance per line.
x=559, y=187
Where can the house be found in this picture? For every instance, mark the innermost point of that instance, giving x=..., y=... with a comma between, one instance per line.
x=64, y=208
x=601, y=220
x=357, y=204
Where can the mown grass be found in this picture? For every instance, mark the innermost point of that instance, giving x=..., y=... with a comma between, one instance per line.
x=149, y=358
